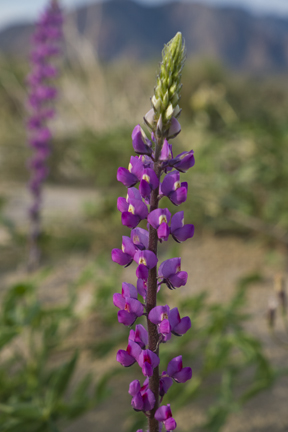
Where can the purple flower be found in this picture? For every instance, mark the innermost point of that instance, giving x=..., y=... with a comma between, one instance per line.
x=179, y=231
x=143, y=398
x=147, y=258
x=149, y=182
x=176, y=371
x=164, y=414
x=164, y=384
x=140, y=238
x=171, y=274
x=130, y=356
x=131, y=176
x=159, y=219
x=130, y=307
x=141, y=144
x=132, y=208
x=178, y=326
x=159, y=316
x=174, y=189
x=148, y=360
x=125, y=255
x=183, y=161
x=175, y=128
x=140, y=336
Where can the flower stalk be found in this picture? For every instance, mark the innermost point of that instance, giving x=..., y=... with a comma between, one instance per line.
x=42, y=94
x=155, y=159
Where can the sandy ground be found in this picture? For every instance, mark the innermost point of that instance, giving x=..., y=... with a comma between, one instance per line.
x=213, y=263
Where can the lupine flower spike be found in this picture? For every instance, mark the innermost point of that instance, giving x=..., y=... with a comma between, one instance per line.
x=154, y=159
x=42, y=93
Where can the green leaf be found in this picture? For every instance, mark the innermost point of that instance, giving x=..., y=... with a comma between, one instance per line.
x=63, y=376
x=7, y=334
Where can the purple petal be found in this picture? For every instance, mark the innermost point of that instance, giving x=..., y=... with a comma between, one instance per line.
x=141, y=336
x=163, y=232
x=184, y=161
x=169, y=267
x=183, y=326
x=126, y=318
x=137, y=402
x=140, y=144
x=130, y=220
x=182, y=234
x=168, y=184
x=120, y=257
x=133, y=349
x=170, y=424
x=118, y=301
x=134, y=306
x=164, y=384
x=142, y=272
x=125, y=359
x=128, y=246
x=164, y=327
x=174, y=366
x=148, y=400
x=158, y=313
x=174, y=318
x=163, y=413
x=134, y=387
x=144, y=189
x=133, y=193
x=136, y=167
x=184, y=375
x=122, y=204
x=142, y=287
x=140, y=238
x=177, y=221
x=166, y=151
x=174, y=129
x=159, y=216
x=146, y=257
x=150, y=176
x=129, y=290
x=179, y=195
x=126, y=177
x=179, y=279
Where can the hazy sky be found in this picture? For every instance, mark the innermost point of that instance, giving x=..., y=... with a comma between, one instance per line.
x=17, y=10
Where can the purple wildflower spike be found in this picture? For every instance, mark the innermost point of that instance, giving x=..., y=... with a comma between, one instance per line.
x=164, y=414
x=179, y=231
x=46, y=39
x=155, y=157
x=176, y=371
x=174, y=189
x=171, y=274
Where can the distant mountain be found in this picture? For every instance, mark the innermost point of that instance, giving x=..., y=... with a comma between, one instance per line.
x=120, y=28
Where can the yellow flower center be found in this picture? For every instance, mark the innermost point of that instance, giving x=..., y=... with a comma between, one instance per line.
x=177, y=185
x=130, y=167
x=131, y=209
x=146, y=177
x=142, y=260
x=162, y=219
x=164, y=316
x=136, y=239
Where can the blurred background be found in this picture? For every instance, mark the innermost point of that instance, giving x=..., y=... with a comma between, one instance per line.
x=235, y=118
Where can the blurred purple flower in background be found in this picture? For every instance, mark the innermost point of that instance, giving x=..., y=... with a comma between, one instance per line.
x=45, y=46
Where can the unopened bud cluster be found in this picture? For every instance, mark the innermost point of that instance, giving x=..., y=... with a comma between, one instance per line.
x=166, y=97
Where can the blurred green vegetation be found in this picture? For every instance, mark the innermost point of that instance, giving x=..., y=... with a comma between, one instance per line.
x=238, y=129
